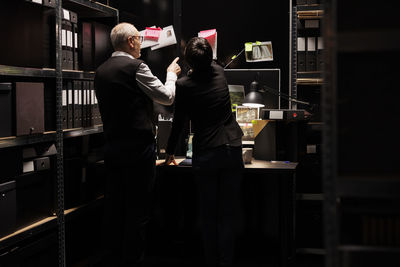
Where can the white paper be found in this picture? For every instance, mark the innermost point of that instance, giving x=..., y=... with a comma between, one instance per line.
x=93, y=101
x=301, y=44
x=311, y=149
x=63, y=37
x=69, y=38
x=66, y=14
x=76, y=40
x=64, y=97
x=310, y=43
x=147, y=42
x=79, y=97
x=76, y=99
x=70, y=97
x=261, y=51
x=167, y=37
x=28, y=167
x=37, y=1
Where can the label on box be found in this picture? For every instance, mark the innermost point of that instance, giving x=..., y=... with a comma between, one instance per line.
x=276, y=115
x=28, y=167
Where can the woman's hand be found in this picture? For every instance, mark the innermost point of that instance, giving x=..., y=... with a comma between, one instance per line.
x=168, y=160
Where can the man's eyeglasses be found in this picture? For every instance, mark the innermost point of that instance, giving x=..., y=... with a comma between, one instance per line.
x=141, y=38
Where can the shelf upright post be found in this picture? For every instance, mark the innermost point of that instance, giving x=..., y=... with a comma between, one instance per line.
x=59, y=140
x=329, y=133
x=293, y=62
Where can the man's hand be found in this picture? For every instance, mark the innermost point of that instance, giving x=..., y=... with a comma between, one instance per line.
x=168, y=160
x=174, y=67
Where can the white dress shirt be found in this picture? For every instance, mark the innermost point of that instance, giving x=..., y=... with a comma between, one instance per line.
x=151, y=85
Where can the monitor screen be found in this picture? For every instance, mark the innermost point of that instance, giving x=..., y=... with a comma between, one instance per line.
x=268, y=77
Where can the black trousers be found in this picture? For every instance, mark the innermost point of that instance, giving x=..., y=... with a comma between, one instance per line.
x=128, y=200
x=218, y=174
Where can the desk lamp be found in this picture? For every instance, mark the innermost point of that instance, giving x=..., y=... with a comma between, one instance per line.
x=254, y=98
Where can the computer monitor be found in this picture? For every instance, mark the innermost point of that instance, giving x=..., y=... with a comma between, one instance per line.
x=268, y=77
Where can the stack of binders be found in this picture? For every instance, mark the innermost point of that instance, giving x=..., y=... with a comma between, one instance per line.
x=95, y=45
x=80, y=106
x=69, y=40
x=309, y=54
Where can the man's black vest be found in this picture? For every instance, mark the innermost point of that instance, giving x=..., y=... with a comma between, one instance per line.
x=126, y=111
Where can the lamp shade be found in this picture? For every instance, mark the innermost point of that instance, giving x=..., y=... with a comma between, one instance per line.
x=254, y=98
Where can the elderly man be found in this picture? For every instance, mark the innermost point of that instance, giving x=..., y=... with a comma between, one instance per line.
x=126, y=89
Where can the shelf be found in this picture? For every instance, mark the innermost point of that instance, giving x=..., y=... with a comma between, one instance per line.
x=309, y=81
x=73, y=212
x=309, y=78
x=26, y=72
x=13, y=141
x=90, y=9
x=369, y=186
x=313, y=251
x=78, y=74
x=310, y=13
x=310, y=74
x=12, y=71
x=28, y=231
x=309, y=7
x=368, y=249
x=313, y=197
x=45, y=224
x=68, y=133
x=316, y=126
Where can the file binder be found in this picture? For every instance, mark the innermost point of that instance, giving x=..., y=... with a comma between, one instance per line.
x=75, y=41
x=320, y=59
x=301, y=54
x=70, y=105
x=64, y=106
x=96, y=109
x=77, y=104
x=29, y=106
x=301, y=2
x=89, y=121
x=102, y=45
x=86, y=57
x=5, y=109
x=67, y=40
x=311, y=54
x=84, y=101
x=96, y=120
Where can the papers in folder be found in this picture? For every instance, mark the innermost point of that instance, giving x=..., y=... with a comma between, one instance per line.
x=211, y=37
x=156, y=37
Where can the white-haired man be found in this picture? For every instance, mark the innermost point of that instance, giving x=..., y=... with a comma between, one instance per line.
x=126, y=88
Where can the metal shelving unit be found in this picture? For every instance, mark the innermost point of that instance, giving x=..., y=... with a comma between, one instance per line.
x=363, y=196
x=308, y=81
x=85, y=9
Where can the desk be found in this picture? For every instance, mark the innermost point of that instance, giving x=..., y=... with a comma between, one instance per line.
x=268, y=207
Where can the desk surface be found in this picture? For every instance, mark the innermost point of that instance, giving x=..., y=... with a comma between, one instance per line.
x=257, y=164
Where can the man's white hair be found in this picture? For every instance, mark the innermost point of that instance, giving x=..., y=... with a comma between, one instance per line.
x=120, y=33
